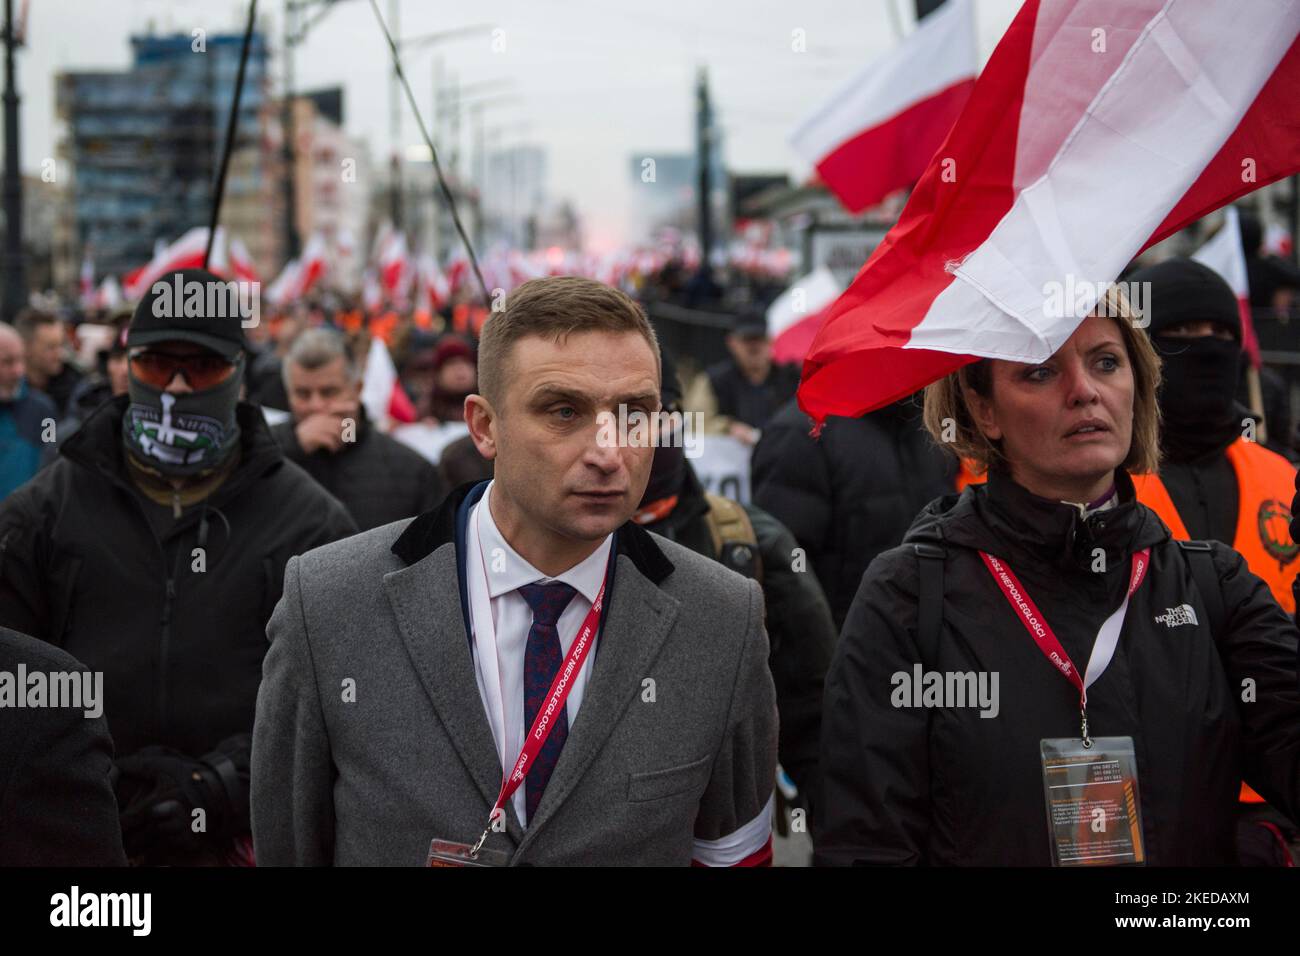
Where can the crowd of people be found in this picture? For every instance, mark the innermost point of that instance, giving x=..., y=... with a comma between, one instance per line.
x=325, y=639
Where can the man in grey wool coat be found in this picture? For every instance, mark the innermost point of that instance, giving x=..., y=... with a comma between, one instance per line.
x=523, y=675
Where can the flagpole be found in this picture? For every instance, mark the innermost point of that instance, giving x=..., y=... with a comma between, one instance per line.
x=232, y=127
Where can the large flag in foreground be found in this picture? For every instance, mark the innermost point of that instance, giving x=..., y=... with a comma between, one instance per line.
x=1098, y=128
x=876, y=134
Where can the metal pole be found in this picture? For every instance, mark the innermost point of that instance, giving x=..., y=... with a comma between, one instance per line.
x=232, y=130
x=454, y=160
x=395, y=124
x=436, y=123
x=291, y=242
x=703, y=143
x=480, y=169
x=15, y=284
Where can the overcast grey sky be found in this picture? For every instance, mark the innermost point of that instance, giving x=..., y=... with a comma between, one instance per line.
x=597, y=81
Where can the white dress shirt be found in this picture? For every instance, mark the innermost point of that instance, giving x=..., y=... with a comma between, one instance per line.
x=494, y=572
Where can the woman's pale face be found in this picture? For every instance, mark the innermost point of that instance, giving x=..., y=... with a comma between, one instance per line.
x=1065, y=425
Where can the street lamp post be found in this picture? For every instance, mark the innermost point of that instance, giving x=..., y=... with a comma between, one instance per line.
x=418, y=43
x=286, y=135
x=15, y=284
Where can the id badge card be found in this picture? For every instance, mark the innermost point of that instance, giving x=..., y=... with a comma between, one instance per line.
x=1094, y=817
x=450, y=853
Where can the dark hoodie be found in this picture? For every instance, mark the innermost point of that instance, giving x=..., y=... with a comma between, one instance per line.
x=940, y=786
x=178, y=635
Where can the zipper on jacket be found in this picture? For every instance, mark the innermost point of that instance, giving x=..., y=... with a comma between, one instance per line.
x=164, y=642
x=169, y=593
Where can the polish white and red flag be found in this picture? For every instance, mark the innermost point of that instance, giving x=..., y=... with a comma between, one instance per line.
x=109, y=294
x=395, y=266
x=241, y=261
x=795, y=316
x=1098, y=128
x=187, y=252
x=431, y=289
x=1223, y=253
x=284, y=287
x=876, y=134
x=314, y=263
x=381, y=391
x=457, y=272
x=300, y=275
x=372, y=294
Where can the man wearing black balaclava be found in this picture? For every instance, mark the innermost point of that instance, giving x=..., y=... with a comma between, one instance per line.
x=753, y=543
x=1216, y=482
x=153, y=550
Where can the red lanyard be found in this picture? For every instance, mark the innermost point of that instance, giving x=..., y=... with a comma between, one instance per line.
x=1032, y=618
x=545, y=719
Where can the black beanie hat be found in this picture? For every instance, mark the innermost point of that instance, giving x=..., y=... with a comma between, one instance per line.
x=1183, y=290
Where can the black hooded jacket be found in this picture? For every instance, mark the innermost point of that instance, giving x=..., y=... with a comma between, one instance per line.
x=178, y=635
x=937, y=786
x=851, y=493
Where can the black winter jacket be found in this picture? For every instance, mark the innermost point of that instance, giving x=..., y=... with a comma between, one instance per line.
x=180, y=648
x=947, y=786
x=56, y=803
x=852, y=492
x=740, y=399
x=799, y=626
x=378, y=479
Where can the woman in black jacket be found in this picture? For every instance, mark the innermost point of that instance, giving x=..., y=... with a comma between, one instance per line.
x=954, y=712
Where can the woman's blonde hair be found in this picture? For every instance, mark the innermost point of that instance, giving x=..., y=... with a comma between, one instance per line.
x=949, y=421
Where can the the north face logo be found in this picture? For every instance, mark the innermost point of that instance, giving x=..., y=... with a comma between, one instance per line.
x=1173, y=616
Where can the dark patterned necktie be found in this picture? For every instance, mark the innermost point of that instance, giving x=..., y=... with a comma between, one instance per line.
x=542, y=659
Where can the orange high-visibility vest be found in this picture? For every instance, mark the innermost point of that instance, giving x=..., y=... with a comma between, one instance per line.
x=966, y=475
x=1265, y=483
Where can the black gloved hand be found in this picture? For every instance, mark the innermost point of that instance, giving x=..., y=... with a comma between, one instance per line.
x=158, y=790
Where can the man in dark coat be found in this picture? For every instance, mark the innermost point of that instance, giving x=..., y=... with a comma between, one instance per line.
x=851, y=493
x=153, y=551
x=56, y=798
x=378, y=479
x=799, y=624
x=48, y=369
x=739, y=395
